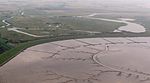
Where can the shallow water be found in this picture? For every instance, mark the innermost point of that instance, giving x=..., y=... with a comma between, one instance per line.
x=132, y=27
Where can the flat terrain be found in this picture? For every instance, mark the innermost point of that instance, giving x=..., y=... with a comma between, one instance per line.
x=115, y=48
x=82, y=61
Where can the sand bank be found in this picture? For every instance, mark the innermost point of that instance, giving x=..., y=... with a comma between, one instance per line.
x=81, y=61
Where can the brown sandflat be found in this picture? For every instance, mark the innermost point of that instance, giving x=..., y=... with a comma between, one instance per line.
x=82, y=61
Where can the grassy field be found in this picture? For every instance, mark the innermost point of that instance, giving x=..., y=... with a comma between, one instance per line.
x=14, y=37
x=40, y=25
x=67, y=22
x=88, y=24
x=4, y=46
x=43, y=23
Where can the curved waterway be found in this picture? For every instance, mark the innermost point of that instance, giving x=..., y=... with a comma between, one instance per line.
x=15, y=29
x=130, y=26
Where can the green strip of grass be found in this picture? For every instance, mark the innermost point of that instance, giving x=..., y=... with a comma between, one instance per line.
x=4, y=45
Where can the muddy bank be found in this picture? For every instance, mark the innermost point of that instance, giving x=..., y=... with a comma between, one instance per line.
x=80, y=61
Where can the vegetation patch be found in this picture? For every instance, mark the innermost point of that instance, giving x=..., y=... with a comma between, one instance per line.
x=4, y=46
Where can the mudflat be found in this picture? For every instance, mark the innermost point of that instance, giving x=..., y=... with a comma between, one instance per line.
x=92, y=60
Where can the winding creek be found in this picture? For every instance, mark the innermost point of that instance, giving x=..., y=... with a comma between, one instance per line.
x=130, y=26
x=16, y=29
